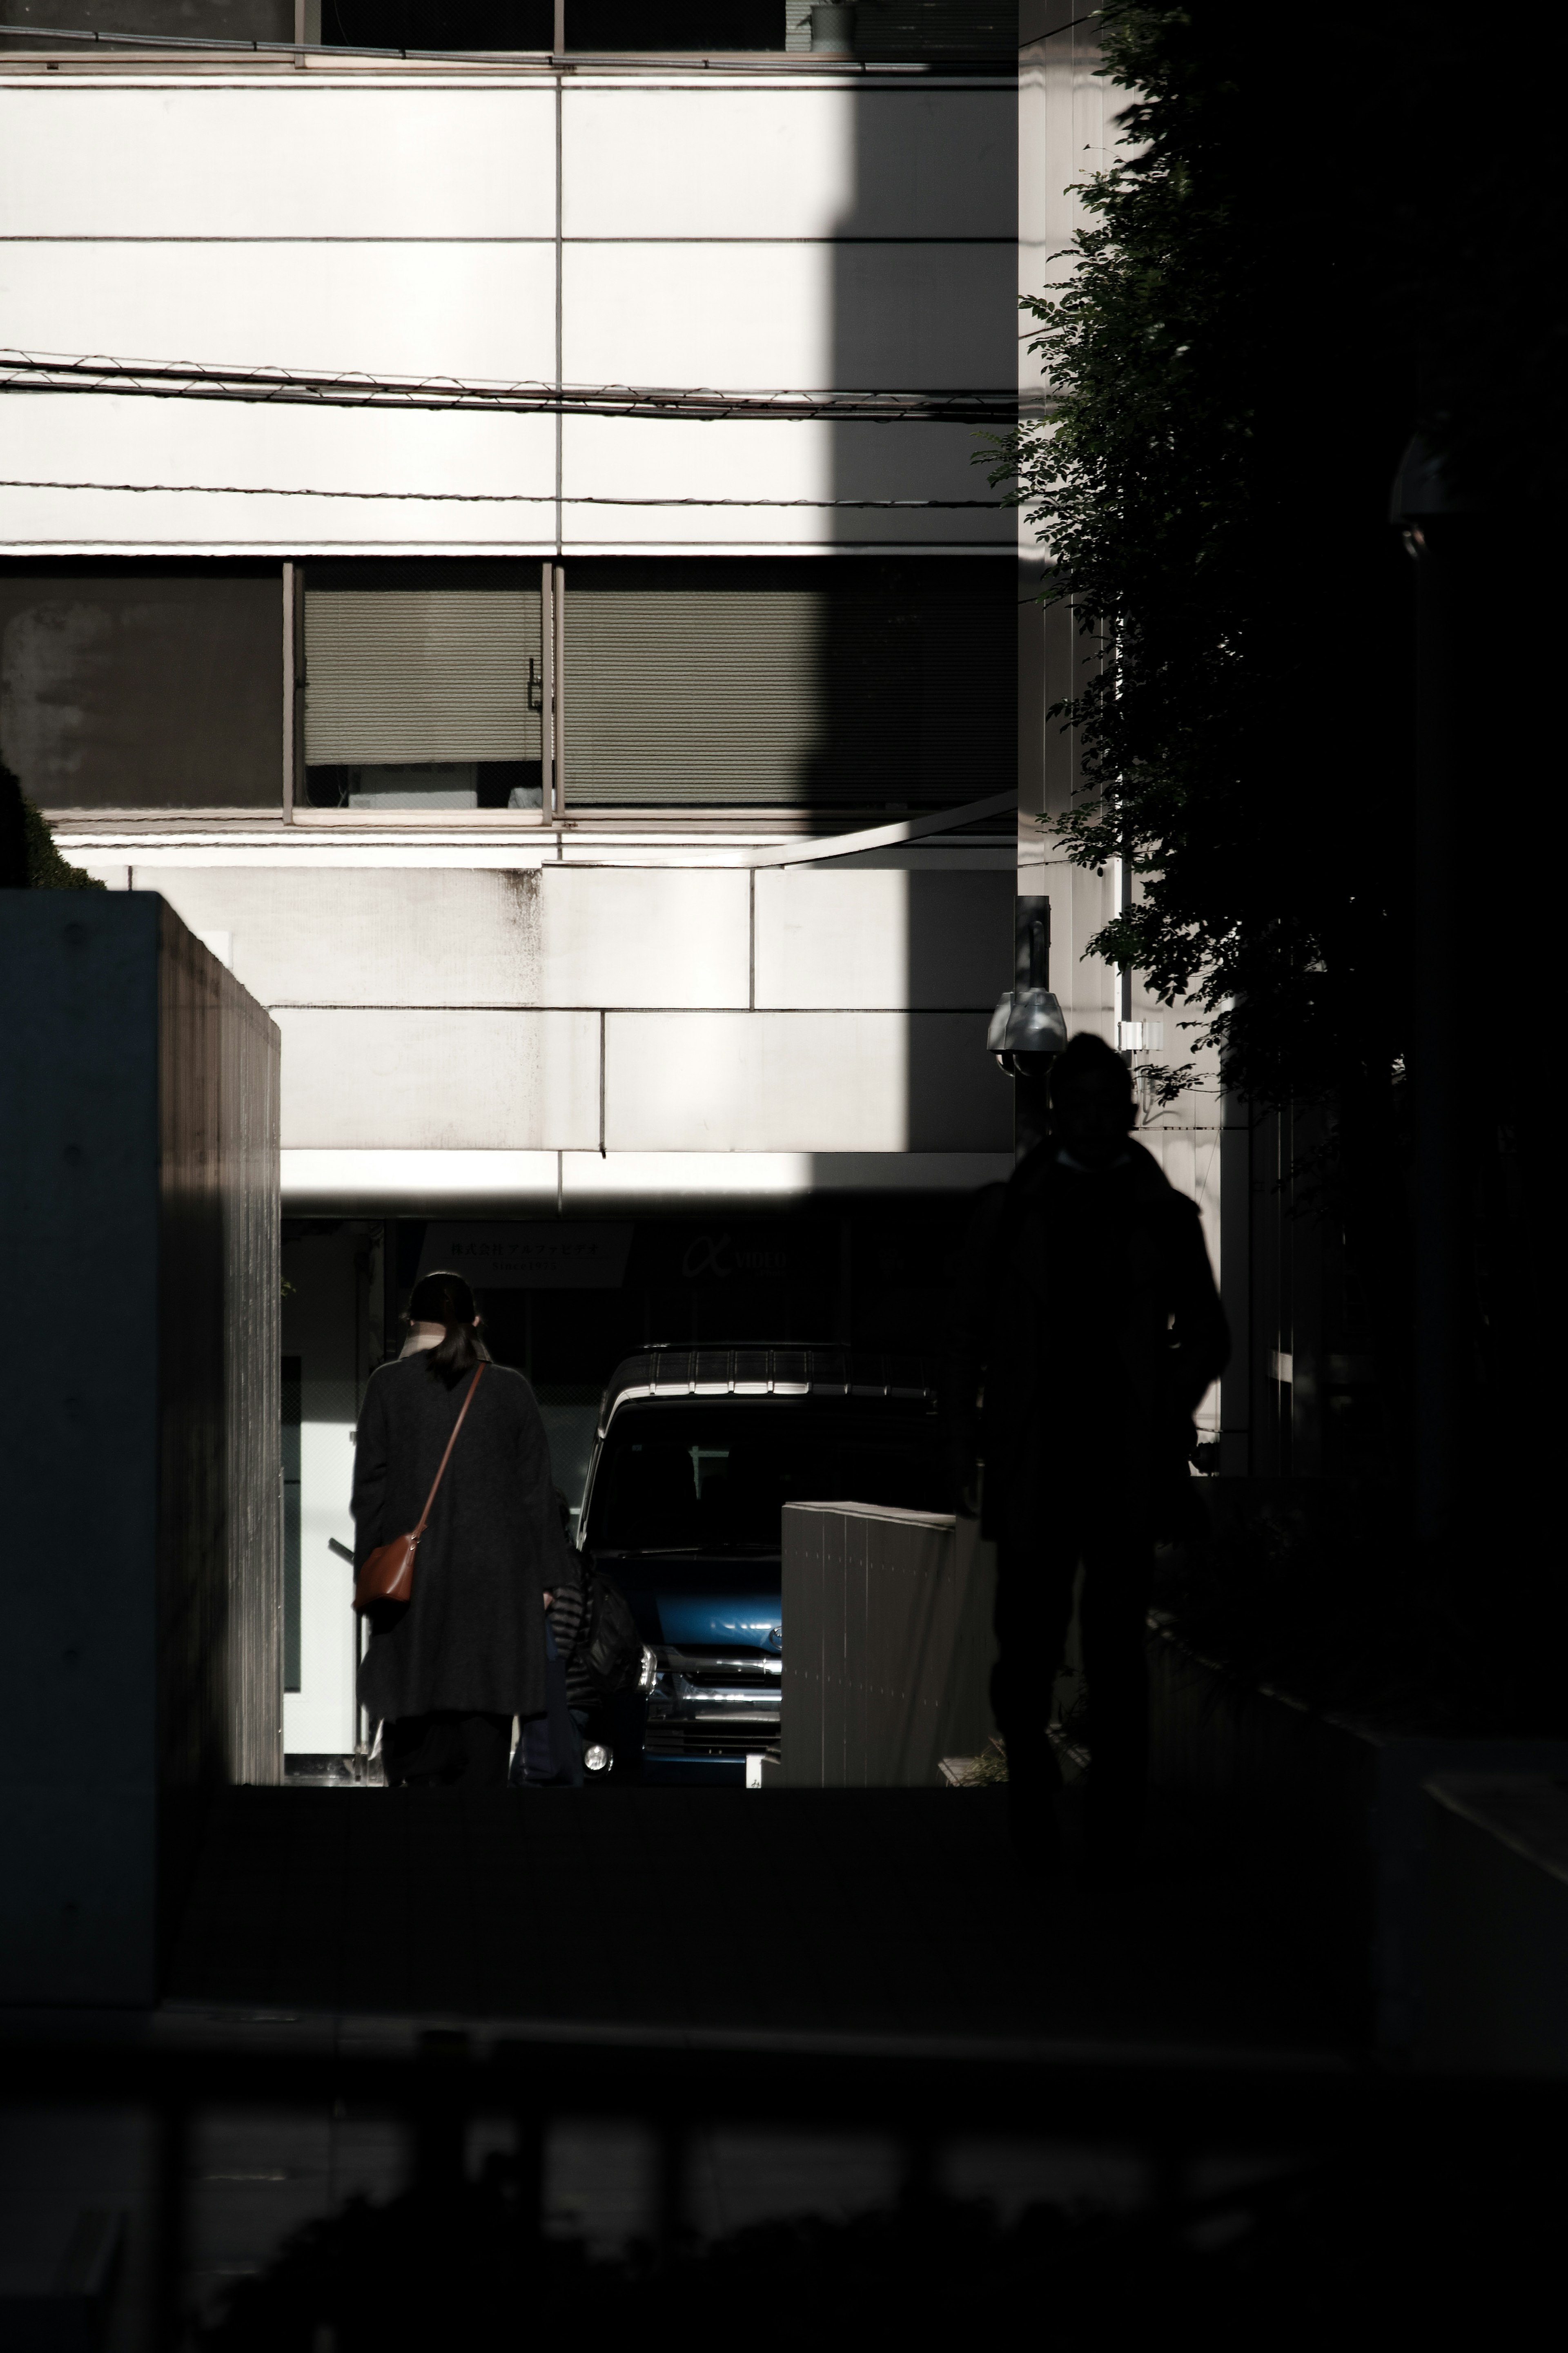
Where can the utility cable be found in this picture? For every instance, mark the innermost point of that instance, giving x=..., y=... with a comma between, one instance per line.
x=348, y=388
x=487, y=498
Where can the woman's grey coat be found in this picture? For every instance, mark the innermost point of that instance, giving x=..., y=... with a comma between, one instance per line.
x=472, y=1639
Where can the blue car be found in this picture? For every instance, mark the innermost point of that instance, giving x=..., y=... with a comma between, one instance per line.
x=696, y=1452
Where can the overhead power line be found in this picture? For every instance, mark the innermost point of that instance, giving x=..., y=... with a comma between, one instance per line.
x=348, y=388
x=485, y=498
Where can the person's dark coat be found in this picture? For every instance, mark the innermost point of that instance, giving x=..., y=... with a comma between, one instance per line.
x=472, y=1639
x=1087, y=1330
x=568, y=1619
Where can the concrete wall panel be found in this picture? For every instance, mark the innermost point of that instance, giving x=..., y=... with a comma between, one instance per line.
x=333, y=1184
x=138, y=1207
x=635, y=459
x=789, y=162
x=791, y=315
x=465, y=936
x=439, y=936
x=218, y=1558
x=620, y=937
x=249, y=1091
x=197, y=450
x=401, y=226
x=802, y=1082
x=425, y=309
x=888, y=1645
x=882, y=939
x=301, y=157
x=1493, y=1952
x=217, y=446
x=440, y=1081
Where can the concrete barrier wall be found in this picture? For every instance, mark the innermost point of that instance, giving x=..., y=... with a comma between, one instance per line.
x=139, y=1399
x=887, y=1645
x=1494, y=1942
x=1292, y=1794
x=1324, y=1818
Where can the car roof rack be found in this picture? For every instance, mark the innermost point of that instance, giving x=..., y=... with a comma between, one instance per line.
x=787, y=1368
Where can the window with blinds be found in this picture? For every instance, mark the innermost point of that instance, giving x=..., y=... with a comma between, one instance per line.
x=423, y=685
x=847, y=682
x=974, y=31
x=525, y=24
x=883, y=28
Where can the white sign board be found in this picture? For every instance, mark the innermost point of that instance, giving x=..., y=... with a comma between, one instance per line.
x=544, y=1257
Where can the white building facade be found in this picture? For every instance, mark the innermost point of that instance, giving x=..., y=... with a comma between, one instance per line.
x=615, y=810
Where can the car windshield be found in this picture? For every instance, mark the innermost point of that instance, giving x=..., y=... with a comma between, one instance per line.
x=709, y=1479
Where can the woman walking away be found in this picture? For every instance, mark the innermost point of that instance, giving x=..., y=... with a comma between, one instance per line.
x=446, y=1670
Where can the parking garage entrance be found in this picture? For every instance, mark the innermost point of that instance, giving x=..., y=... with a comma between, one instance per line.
x=563, y=1302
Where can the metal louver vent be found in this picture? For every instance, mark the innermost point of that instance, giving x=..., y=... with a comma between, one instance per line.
x=404, y=675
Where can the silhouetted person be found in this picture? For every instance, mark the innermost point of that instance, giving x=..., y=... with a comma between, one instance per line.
x=446, y=1672
x=549, y=1752
x=1089, y=1325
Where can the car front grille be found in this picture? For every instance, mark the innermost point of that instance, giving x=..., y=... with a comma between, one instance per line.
x=738, y=1669
x=696, y=1736
x=712, y=1702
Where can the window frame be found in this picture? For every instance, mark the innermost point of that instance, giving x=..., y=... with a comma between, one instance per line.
x=298, y=811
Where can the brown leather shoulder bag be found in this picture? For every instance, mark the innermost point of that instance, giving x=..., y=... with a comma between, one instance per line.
x=388, y=1571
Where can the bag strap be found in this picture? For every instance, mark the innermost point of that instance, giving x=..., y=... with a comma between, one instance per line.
x=431, y=1498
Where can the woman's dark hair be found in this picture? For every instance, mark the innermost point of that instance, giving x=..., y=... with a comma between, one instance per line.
x=446, y=1299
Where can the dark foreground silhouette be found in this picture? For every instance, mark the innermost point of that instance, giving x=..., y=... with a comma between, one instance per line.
x=1086, y=1330
x=1440, y=2243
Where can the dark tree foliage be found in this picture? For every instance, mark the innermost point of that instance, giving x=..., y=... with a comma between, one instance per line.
x=1412, y=2237
x=12, y=833
x=29, y=859
x=1316, y=242
x=47, y=870
x=1234, y=387
x=1309, y=250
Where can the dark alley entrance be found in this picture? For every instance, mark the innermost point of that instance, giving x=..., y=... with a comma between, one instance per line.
x=564, y=1302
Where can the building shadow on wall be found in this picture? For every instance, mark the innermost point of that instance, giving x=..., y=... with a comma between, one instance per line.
x=923, y=298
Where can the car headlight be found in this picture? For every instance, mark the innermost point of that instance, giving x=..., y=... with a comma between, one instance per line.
x=648, y=1675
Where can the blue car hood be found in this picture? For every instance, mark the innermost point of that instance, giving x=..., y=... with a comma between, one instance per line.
x=699, y=1602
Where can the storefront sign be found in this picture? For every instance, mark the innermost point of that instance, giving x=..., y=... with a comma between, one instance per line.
x=546, y=1257
x=717, y=1257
